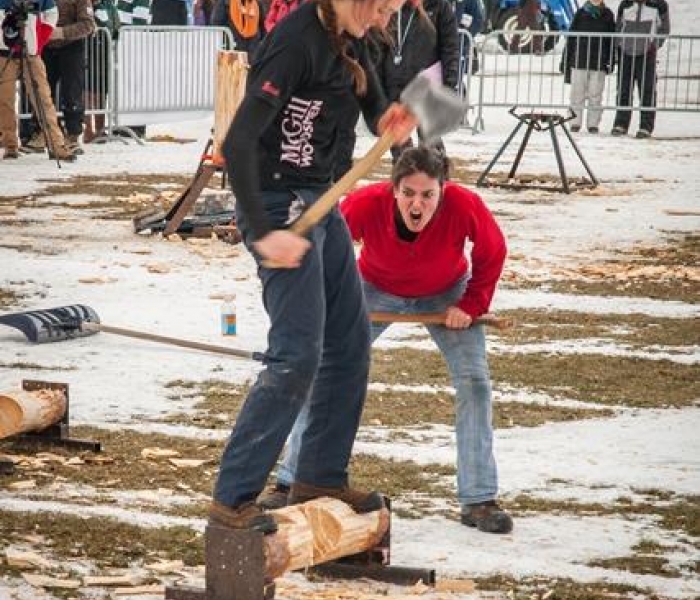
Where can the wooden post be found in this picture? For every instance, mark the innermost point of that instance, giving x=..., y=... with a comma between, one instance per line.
x=22, y=411
x=231, y=73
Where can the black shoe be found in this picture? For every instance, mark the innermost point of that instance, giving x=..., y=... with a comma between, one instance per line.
x=274, y=498
x=361, y=502
x=488, y=517
x=575, y=128
x=245, y=516
x=617, y=131
x=643, y=134
x=593, y=130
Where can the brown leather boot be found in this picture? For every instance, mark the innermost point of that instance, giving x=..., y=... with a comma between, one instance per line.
x=274, y=497
x=245, y=516
x=488, y=517
x=361, y=502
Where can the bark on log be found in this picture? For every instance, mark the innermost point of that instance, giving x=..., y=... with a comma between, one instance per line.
x=231, y=73
x=318, y=531
x=22, y=411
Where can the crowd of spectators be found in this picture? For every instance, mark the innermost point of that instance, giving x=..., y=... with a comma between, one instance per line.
x=423, y=35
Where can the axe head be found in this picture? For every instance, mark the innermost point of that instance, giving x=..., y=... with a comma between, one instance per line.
x=438, y=109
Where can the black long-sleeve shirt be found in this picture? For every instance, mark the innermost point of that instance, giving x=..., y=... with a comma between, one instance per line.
x=299, y=94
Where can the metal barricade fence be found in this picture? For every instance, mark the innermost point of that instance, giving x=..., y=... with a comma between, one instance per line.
x=535, y=81
x=165, y=74
x=467, y=53
x=99, y=50
x=99, y=62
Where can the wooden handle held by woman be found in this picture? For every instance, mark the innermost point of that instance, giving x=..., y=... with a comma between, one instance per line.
x=488, y=319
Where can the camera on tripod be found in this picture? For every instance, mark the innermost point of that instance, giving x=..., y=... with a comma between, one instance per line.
x=16, y=16
x=21, y=8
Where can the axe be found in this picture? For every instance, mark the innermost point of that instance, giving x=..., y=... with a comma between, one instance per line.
x=438, y=110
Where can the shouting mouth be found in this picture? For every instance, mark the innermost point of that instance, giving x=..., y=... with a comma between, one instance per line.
x=415, y=217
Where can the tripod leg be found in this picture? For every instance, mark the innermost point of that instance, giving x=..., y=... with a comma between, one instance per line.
x=40, y=97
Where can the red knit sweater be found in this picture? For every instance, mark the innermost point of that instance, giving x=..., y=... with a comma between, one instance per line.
x=436, y=259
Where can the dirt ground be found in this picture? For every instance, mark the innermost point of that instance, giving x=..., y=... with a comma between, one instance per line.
x=602, y=385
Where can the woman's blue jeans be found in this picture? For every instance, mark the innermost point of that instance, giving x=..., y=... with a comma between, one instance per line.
x=318, y=357
x=465, y=353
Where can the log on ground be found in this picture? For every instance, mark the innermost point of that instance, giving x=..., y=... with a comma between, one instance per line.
x=22, y=411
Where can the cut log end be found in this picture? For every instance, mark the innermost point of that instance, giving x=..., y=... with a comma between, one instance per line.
x=22, y=411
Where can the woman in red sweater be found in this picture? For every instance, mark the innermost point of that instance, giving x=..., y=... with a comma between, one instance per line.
x=414, y=230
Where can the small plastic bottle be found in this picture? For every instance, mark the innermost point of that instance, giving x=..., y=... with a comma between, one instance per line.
x=228, y=315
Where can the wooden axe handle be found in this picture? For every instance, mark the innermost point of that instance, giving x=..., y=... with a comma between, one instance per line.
x=490, y=320
x=163, y=339
x=319, y=209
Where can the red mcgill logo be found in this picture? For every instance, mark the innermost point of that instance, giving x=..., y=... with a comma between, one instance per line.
x=270, y=88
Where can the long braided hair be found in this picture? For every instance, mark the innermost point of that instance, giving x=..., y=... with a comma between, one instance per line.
x=340, y=44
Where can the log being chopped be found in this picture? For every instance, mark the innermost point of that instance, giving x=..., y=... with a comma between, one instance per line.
x=319, y=531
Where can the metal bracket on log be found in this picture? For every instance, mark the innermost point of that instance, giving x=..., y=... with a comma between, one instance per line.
x=59, y=433
x=7, y=467
x=235, y=568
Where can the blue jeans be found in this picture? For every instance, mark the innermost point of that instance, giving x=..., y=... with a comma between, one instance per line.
x=465, y=353
x=318, y=356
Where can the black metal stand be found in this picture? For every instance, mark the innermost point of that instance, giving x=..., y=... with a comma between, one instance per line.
x=175, y=220
x=7, y=467
x=235, y=568
x=57, y=434
x=539, y=122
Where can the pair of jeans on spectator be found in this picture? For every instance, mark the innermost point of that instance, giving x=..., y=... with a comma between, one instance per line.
x=465, y=353
x=636, y=72
x=318, y=357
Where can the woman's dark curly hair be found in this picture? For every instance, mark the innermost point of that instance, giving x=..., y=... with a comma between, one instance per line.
x=421, y=159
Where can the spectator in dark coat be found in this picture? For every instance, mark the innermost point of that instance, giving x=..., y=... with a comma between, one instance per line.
x=649, y=19
x=169, y=12
x=590, y=59
x=423, y=37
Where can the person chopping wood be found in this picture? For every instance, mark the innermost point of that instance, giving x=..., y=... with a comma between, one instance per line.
x=279, y=152
x=413, y=231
